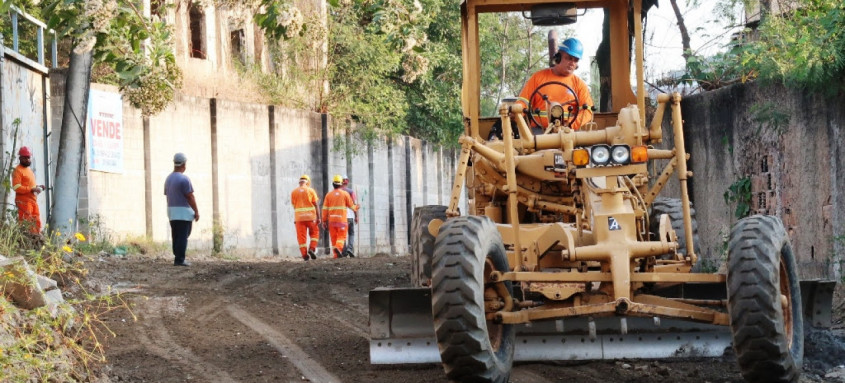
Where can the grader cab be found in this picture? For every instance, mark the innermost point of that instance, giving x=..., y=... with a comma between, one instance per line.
x=566, y=251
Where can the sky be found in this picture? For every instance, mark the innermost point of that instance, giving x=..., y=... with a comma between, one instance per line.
x=708, y=34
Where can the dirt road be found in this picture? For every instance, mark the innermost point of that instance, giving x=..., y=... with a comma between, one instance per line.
x=294, y=321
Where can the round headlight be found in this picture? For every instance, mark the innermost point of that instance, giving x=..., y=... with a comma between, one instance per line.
x=621, y=154
x=600, y=154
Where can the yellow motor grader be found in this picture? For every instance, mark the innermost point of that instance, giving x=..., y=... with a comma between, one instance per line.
x=566, y=251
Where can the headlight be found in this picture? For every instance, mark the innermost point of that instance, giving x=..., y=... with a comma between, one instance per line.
x=600, y=154
x=620, y=154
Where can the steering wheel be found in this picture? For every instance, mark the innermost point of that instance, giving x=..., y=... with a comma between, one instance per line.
x=573, y=114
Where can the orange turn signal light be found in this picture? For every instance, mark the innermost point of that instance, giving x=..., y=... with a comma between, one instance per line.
x=580, y=157
x=639, y=154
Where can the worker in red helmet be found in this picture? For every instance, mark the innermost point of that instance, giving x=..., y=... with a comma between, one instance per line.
x=334, y=215
x=26, y=192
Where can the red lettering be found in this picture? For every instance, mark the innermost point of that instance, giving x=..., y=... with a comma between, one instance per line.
x=107, y=129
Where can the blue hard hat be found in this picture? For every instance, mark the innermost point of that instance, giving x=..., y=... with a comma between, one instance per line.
x=572, y=47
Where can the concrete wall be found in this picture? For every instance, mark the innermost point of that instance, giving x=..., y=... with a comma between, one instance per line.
x=790, y=143
x=244, y=160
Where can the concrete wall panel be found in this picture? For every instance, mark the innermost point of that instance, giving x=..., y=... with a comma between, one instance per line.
x=297, y=152
x=119, y=198
x=243, y=168
x=185, y=126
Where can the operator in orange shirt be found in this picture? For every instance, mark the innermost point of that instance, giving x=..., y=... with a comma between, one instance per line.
x=334, y=215
x=306, y=217
x=26, y=192
x=566, y=61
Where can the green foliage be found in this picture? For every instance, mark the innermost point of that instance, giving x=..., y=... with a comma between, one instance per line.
x=739, y=193
x=27, y=31
x=511, y=51
x=137, y=49
x=99, y=239
x=9, y=167
x=803, y=48
x=391, y=65
x=217, y=238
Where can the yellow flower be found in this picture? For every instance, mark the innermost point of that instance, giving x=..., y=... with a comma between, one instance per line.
x=67, y=248
x=80, y=237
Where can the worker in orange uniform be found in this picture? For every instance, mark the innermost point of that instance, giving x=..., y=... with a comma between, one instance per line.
x=26, y=192
x=566, y=61
x=334, y=215
x=306, y=217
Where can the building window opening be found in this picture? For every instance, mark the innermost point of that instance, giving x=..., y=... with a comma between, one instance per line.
x=197, y=29
x=157, y=8
x=236, y=40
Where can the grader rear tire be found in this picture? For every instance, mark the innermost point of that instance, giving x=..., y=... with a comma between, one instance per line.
x=422, y=243
x=764, y=301
x=472, y=348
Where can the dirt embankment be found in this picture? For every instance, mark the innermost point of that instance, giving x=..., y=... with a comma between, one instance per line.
x=294, y=321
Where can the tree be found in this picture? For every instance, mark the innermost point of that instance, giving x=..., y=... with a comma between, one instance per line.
x=802, y=47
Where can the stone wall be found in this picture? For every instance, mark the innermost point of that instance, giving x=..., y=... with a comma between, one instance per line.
x=789, y=144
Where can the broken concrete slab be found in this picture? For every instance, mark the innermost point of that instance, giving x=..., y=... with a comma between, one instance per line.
x=47, y=284
x=20, y=284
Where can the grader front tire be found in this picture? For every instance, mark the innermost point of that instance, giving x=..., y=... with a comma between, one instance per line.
x=764, y=301
x=472, y=349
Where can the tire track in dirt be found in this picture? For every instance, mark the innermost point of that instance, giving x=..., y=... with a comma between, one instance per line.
x=157, y=340
x=310, y=368
x=356, y=315
x=525, y=375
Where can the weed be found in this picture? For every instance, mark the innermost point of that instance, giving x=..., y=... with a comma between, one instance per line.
x=99, y=238
x=59, y=342
x=740, y=193
x=217, y=238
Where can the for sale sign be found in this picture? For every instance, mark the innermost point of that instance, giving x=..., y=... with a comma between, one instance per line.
x=105, y=132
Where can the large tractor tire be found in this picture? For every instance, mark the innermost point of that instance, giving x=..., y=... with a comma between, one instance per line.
x=764, y=301
x=674, y=209
x=422, y=243
x=472, y=348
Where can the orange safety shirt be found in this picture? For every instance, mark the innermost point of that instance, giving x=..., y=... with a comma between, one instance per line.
x=335, y=204
x=557, y=93
x=304, y=200
x=23, y=181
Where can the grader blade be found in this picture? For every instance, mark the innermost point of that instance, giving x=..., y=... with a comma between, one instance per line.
x=402, y=332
